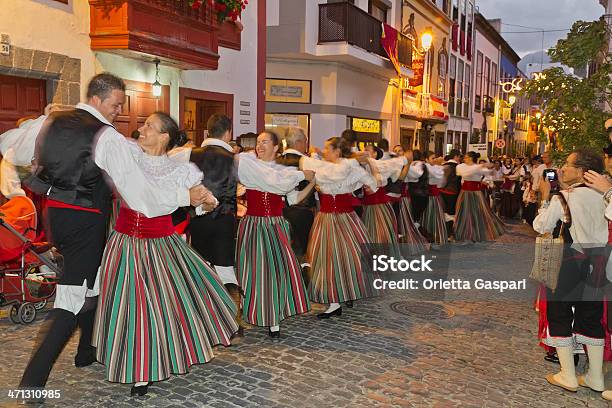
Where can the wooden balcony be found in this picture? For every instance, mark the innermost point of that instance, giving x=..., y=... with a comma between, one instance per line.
x=166, y=29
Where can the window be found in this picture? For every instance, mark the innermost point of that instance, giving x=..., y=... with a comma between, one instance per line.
x=459, y=99
x=451, y=84
x=378, y=10
x=466, y=93
x=478, y=93
x=493, y=89
x=485, y=78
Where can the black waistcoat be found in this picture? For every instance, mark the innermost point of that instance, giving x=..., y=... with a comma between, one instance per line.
x=453, y=182
x=293, y=160
x=66, y=169
x=220, y=176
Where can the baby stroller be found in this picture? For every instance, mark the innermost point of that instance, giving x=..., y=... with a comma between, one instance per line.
x=27, y=275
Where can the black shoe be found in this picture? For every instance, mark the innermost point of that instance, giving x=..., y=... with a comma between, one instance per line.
x=349, y=304
x=552, y=357
x=274, y=334
x=85, y=358
x=140, y=390
x=337, y=312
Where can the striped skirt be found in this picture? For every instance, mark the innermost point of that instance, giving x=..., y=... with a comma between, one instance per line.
x=381, y=223
x=337, y=251
x=474, y=220
x=161, y=309
x=433, y=221
x=411, y=238
x=269, y=271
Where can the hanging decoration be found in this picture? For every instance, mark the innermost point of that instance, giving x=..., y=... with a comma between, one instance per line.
x=225, y=9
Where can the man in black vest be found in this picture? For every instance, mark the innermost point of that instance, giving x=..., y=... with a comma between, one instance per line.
x=212, y=234
x=301, y=215
x=75, y=151
x=451, y=190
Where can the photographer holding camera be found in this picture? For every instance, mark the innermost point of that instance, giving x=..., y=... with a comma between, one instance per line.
x=575, y=309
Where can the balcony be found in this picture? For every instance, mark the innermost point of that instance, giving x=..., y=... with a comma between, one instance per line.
x=344, y=22
x=167, y=29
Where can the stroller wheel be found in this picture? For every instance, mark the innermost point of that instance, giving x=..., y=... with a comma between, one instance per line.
x=27, y=313
x=14, y=314
x=40, y=305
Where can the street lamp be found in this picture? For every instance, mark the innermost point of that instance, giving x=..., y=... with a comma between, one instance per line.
x=157, y=86
x=511, y=99
x=426, y=39
x=538, y=115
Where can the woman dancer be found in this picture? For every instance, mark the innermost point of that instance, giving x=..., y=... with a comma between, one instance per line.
x=409, y=234
x=475, y=221
x=433, y=221
x=378, y=215
x=161, y=307
x=268, y=269
x=338, y=238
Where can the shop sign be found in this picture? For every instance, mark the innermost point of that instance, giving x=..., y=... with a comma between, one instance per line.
x=478, y=148
x=287, y=90
x=366, y=125
x=285, y=120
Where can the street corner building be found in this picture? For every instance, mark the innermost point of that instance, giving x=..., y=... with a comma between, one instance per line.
x=172, y=56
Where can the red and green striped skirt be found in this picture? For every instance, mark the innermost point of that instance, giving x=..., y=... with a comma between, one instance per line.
x=269, y=271
x=161, y=309
x=433, y=221
x=381, y=223
x=475, y=221
x=410, y=237
x=339, y=259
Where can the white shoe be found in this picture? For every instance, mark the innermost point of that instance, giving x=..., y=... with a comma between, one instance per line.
x=607, y=395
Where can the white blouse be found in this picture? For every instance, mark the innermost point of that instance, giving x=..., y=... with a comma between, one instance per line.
x=270, y=177
x=343, y=177
x=472, y=172
x=589, y=226
x=388, y=169
x=415, y=171
x=436, y=175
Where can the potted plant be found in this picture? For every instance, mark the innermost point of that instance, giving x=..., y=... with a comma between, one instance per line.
x=225, y=9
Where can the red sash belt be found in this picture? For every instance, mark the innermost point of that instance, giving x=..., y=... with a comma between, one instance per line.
x=58, y=204
x=339, y=203
x=434, y=191
x=379, y=197
x=136, y=225
x=609, y=232
x=471, y=186
x=262, y=204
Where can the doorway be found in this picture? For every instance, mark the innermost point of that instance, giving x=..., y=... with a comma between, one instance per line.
x=198, y=106
x=19, y=98
x=139, y=104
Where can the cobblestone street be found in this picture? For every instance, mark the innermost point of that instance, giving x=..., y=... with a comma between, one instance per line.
x=396, y=350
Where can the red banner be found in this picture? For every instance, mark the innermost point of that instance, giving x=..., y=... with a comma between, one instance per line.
x=418, y=67
x=389, y=43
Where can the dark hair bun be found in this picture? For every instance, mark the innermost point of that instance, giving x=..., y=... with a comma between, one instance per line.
x=181, y=138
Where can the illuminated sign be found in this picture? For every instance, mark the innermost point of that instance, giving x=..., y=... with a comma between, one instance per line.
x=512, y=86
x=366, y=125
x=538, y=75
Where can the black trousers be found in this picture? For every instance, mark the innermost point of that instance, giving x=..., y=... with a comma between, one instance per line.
x=80, y=237
x=300, y=219
x=577, y=305
x=214, y=238
x=419, y=204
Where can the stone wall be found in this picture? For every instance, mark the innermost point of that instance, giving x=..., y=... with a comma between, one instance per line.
x=63, y=74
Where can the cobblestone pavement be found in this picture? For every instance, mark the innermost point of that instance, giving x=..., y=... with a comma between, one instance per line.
x=396, y=350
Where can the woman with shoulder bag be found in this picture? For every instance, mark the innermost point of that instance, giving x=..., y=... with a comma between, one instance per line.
x=574, y=308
